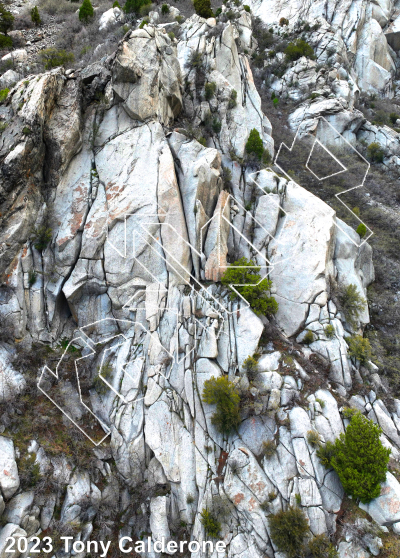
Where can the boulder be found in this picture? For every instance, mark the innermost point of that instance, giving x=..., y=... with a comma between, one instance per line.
x=9, y=479
x=301, y=255
x=385, y=510
x=8, y=79
x=10, y=530
x=110, y=18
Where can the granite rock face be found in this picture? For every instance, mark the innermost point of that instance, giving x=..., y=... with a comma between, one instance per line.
x=117, y=229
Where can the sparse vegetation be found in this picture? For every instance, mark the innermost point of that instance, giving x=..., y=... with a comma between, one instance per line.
x=211, y=525
x=3, y=95
x=329, y=331
x=359, y=458
x=375, y=152
x=209, y=90
x=313, y=438
x=5, y=41
x=53, y=57
x=41, y=237
x=289, y=530
x=222, y=393
x=359, y=348
x=321, y=547
x=352, y=303
x=300, y=48
x=32, y=276
x=165, y=9
x=245, y=275
x=309, y=338
x=250, y=365
x=269, y=449
x=232, y=100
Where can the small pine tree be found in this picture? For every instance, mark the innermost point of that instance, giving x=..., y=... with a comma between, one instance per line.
x=35, y=16
x=254, y=144
x=6, y=20
x=203, y=8
x=359, y=458
x=86, y=11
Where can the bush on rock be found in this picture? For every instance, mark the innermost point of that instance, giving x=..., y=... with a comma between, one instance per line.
x=359, y=458
x=289, y=530
x=245, y=275
x=222, y=393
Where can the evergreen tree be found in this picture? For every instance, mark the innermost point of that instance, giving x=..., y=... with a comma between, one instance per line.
x=6, y=20
x=35, y=16
x=203, y=8
x=133, y=6
x=86, y=11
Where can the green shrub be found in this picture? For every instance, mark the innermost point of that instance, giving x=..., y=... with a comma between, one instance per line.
x=216, y=126
x=300, y=48
x=321, y=547
x=361, y=230
x=35, y=16
x=360, y=459
x=218, y=12
x=283, y=21
x=5, y=41
x=29, y=471
x=143, y=23
x=269, y=449
x=171, y=35
x=32, y=276
x=26, y=131
x=250, y=365
x=53, y=57
x=41, y=237
x=352, y=303
x=116, y=4
x=133, y=6
x=245, y=274
x=86, y=11
x=275, y=101
x=165, y=9
x=254, y=144
x=203, y=8
x=211, y=525
x=3, y=95
x=288, y=530
x=356, y=210
x=105, y=371
x=329, y=331
x=313, y=438
x=309, y=338
x=325, y=454
x=246, y=7
x=359, y=348
x=393, y=116
x=232, y=99
x=6, y=19
x=222, y=393
x=375, y=152
x=209, y=90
